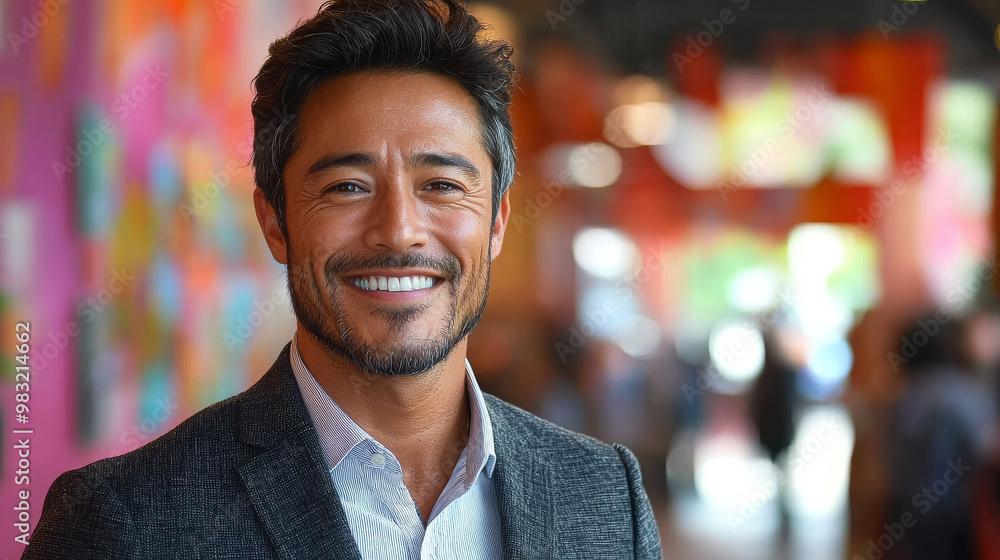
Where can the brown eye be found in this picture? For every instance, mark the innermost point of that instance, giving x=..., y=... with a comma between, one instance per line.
x=345, y=188
x=442, y=187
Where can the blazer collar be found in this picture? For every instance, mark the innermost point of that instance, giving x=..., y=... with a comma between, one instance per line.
x=290, y=487
x=288, y=483
x=523, y=480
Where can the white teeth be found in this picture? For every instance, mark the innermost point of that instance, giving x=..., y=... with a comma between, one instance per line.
x=393, y=283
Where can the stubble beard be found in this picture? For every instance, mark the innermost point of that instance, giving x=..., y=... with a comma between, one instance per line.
x=340, y=340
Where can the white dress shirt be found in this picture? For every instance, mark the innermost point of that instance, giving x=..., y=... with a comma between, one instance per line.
x=385, y=522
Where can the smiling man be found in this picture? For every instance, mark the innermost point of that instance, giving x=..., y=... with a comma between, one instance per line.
x=383, y=152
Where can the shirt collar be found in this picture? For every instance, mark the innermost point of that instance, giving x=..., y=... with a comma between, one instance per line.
x=339, y=434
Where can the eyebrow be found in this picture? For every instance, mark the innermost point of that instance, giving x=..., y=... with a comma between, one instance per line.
x=341, y=160
x=425, y=159
x=462, y=164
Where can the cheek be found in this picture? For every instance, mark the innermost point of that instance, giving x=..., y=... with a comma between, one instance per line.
x=467, y=232
x=311, y=252
x=322, y=238
x=318, y=223
x=466, y=237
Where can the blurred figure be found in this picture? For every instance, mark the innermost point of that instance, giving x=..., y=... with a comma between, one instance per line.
x=612, y=389
x=772, y=412
x=980, y=342
x=944, y=429
x=560, y=401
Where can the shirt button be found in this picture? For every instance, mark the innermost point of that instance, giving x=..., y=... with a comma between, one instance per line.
x=378, y=459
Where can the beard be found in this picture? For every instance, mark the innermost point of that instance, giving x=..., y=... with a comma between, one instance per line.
x=338, y=336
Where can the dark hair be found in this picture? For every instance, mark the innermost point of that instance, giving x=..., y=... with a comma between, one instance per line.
x=395, y=35
x=928, y=342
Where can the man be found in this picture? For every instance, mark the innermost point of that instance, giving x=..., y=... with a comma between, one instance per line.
x=383, y=152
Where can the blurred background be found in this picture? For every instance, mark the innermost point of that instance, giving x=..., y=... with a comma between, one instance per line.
x=753, y=240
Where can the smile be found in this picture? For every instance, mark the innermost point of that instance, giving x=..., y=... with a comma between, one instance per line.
x=392, y=283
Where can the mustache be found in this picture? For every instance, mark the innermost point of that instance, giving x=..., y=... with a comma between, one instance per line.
x=344, y=264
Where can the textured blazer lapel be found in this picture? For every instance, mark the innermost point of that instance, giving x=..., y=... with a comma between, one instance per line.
x=523, y=481
x=288, y=483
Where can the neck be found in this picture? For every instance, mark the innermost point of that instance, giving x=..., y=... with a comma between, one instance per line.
x=422, y=419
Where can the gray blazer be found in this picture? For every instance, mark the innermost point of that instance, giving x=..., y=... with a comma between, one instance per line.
x=245, y=478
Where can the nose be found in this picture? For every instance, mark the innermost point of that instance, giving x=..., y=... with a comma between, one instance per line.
x=395, y=222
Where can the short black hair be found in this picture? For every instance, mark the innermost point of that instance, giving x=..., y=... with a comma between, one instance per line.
x=929, y=343
x=437, y=36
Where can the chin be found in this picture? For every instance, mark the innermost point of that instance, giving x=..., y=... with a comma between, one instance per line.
x=400, y=360
x=399, y=353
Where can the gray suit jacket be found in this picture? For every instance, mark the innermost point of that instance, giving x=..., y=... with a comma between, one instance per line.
x=245, y=478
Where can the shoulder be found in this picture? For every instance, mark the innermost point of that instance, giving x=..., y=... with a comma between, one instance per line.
x=595, y=488
x=521, y=424
x=209, y=430
x=201, y=447
x=519, y=429
x=217, y=437
x=100, y=510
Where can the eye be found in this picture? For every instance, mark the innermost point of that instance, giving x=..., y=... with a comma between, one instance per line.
x=345, y=188
x=442, y=187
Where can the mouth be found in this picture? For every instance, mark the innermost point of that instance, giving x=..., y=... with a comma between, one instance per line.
x=376, y=283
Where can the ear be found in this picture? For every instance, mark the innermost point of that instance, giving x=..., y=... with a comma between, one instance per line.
x=496, y=240
x=268, y=220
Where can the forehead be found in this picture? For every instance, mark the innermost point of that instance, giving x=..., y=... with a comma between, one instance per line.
x=386, y=110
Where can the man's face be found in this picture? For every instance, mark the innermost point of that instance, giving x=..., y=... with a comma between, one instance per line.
x=388, y=212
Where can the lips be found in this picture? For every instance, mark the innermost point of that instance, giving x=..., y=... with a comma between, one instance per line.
x=393, y=283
